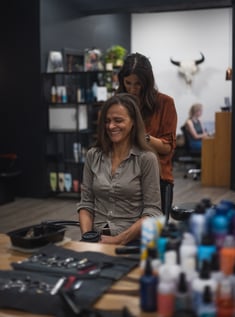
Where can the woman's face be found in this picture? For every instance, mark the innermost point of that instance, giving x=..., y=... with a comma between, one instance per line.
x=132, y=85
x=118, y=123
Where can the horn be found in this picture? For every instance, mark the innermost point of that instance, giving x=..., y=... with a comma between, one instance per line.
x=199, y=61
x=175, y=62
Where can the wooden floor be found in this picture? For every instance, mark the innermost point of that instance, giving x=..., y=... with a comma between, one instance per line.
x=28, y=211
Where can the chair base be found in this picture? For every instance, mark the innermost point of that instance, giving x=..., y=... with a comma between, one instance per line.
x=195, y=172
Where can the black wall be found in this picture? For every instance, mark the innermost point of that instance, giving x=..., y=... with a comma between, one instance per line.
x=29, y=30
x=21, y=125
x=62, y=26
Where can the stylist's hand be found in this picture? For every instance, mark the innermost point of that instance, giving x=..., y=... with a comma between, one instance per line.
x=110, y=239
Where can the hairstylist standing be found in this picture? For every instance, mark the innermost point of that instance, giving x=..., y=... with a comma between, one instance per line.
x=159, y=115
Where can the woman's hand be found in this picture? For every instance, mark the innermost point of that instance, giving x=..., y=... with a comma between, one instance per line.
x=110, y=239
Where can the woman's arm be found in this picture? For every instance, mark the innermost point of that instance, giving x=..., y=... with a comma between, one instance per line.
x=162, y=126
x=86, y=205
x=159, y=146
x=86, y=220
x=132, y=233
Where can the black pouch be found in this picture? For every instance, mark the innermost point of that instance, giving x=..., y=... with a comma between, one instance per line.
x=29, y=292
x=33, y=293
x=97, y=270
x=55, y=260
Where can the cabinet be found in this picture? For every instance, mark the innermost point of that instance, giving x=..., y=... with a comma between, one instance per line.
x=73, y=101
x=216, y=153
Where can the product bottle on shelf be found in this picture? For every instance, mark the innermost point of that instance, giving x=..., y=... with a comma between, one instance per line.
x=53, y=94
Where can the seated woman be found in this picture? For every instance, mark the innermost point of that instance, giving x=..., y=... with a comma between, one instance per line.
x=121, y=178
x=194, y=128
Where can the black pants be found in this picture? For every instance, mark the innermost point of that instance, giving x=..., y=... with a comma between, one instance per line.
x=166, y=196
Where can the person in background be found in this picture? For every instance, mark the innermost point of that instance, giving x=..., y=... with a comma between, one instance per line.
x=194, y=128
x=159, y=114
x=121, y=179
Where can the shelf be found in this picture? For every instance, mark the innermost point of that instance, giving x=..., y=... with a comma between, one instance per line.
x=70, y=122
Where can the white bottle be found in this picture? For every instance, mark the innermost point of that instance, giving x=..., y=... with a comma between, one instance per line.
x=188, y=249
x=170, y=266
x=197, y=223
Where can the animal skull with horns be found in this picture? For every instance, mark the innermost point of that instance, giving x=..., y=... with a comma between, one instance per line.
x=188, y=67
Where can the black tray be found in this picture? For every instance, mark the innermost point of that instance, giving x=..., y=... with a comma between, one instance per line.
x=39, y=235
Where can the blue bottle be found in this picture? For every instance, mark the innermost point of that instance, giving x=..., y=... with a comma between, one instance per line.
x=148, y=289
x=161, y=243
x=230, y=214
x=205, y=249
x=209, y=213
x=220, y=225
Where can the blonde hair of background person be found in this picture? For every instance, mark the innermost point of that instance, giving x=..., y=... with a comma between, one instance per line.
x=194, y=127
x=121, y=177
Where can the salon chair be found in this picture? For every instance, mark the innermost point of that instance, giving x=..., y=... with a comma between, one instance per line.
x=190, y=159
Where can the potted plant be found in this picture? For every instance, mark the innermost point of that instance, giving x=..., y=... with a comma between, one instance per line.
x=115, y=55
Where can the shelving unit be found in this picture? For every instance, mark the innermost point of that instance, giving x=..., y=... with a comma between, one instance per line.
x=73, y=106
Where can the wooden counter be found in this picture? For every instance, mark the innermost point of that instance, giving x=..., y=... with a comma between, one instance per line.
x=108, y=301
x=216, y=153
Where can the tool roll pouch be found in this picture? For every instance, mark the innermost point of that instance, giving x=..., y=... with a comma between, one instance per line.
x=97, y=271
x=29, y=292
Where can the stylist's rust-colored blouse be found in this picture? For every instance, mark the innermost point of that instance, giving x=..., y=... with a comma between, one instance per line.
x=163, y=126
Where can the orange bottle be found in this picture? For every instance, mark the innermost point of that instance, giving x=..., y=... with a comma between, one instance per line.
x=227, y=255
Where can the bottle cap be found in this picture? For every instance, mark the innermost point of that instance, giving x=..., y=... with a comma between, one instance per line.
x=152, y=253
x=205, y=270
x=229, y=241
x=207, y=202
x=148, y=267
x=200, y=208
x=207, y=295
x=182, y=283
